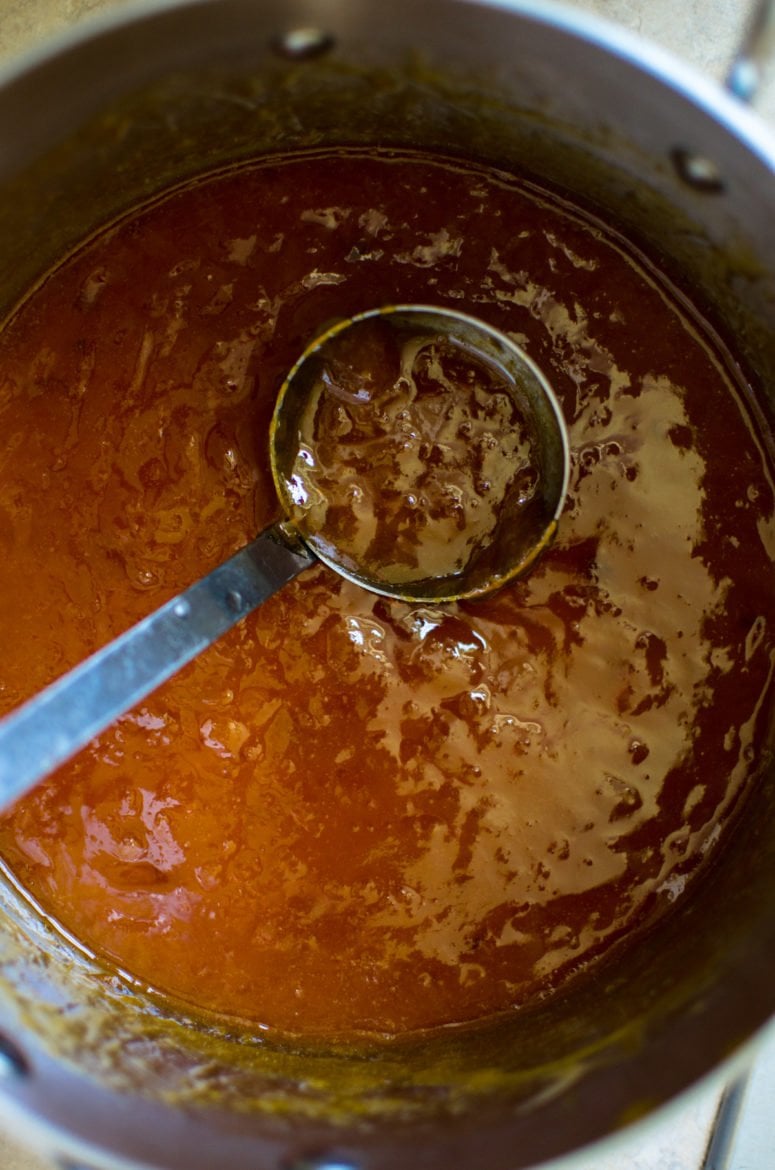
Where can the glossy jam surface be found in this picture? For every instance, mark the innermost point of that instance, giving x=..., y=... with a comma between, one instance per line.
x=354, y=813
x=411, y=452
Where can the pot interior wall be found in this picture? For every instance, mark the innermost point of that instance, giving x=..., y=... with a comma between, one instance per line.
x=119, y=119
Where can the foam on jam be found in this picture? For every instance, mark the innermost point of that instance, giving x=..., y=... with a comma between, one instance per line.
x=354, y=813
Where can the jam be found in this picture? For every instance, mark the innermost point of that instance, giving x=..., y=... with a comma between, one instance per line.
x=354, y=814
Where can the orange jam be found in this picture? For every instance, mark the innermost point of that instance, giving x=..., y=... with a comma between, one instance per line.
x=357, y=814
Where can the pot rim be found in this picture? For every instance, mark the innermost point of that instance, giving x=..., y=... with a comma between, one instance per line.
x=641, y=52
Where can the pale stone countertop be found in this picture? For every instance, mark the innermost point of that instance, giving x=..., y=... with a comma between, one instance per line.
x=705, y=33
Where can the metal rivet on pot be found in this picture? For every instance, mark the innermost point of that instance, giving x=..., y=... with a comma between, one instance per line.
x=698, y=171
x=12, y=1062
x=303, y=43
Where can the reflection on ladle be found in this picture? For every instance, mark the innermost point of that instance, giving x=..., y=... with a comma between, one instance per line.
x=415, y=450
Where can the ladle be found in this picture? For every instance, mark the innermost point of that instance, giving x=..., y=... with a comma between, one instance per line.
x=438, y=356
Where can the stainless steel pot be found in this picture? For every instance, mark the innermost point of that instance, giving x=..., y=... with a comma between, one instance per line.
x=103, y=122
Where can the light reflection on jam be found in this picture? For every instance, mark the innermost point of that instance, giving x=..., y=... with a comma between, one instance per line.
x=355, y=813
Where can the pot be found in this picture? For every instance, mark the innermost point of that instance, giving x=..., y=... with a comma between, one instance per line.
x=105, y=121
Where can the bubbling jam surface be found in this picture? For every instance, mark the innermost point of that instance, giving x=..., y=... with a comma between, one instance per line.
x=355, y=814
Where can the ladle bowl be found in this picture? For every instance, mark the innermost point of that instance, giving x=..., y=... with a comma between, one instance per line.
x=522, y=523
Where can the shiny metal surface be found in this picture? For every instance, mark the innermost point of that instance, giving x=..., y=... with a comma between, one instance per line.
x=746, y=74
x=744, y=1134
x=519, y=537
x=720, y=1125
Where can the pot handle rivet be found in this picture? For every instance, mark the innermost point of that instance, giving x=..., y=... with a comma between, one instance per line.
x=698, y=171
x=300, y=44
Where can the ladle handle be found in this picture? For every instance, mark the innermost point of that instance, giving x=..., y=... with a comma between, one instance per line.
x=745, y=73
x=55, y=724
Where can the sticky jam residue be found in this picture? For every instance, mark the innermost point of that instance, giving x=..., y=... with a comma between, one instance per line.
x=354, y=813
x=410, y=450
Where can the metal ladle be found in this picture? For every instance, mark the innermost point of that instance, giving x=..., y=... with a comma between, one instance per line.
x=55, y=724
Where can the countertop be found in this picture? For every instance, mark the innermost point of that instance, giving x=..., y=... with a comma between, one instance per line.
x=705, y=33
